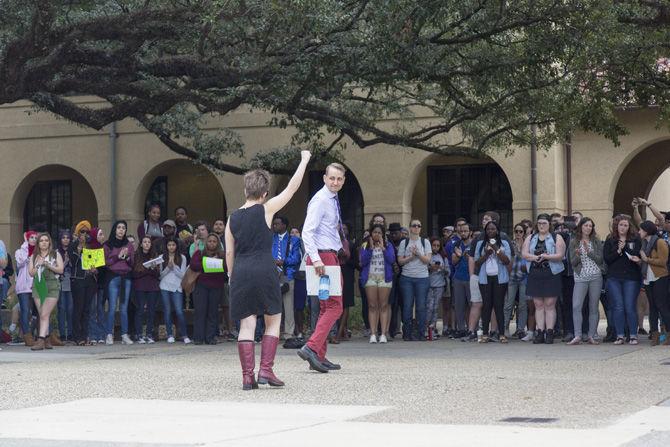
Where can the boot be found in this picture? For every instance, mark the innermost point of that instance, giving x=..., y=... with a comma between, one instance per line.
x=55, y=340
x=667, y=340
x=47, y=342
x=550, y=337
x=29, y=340
x=268, y=351
x=38, y=345
x=654, y=338
x=539, y=337
x=245, y=349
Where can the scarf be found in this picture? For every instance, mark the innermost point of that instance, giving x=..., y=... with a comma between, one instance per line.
x=93, y=242
x=647, y=247
x=113, y=241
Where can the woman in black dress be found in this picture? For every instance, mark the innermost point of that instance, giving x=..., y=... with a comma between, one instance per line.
x=254, y=280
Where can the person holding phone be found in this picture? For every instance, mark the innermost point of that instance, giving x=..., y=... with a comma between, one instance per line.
x=377, y=256
x=492, y=256
x=621, y=252
x=438, y=273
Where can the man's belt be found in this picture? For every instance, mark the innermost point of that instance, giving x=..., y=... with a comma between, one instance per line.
x=327, y=251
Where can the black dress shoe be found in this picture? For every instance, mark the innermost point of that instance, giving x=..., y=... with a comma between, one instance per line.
x=310, y=356
x=329, y=365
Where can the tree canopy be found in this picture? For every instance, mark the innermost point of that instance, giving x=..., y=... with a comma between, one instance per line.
x=478, y=72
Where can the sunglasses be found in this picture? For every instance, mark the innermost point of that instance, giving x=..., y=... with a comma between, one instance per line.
x=518, y=231
x=415, y=225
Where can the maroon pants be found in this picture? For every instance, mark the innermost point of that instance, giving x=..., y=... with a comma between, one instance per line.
x=330, y=311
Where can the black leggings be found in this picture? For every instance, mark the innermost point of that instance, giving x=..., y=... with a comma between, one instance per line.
x=83, y=291
x=659, y=303
x=493, y=297
x=206, y=303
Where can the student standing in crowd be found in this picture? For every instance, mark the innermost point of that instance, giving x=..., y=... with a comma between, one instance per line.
x=517, y=283
x=492, y=256
x=65, y=301
x=458, y=252
x=395, y=297
x=621, y=252
x=98, y=321
x=286, y=253
x=322, y=234
x=299, y=288
x=84, y=287
x=208, y=292
x=119, y=259
x=654, y=269
x=151, y=226
x=146, y=287
x=201, y=233
x=545, y=254
x=44, y=267
x=449, y=304
x=438, y=274
x=171, y=274
x=254, y=284
x=414, y=255
x=24, y=284
x=377, y=257
x=184, y=229
x=348, y=266
x=588, y=265
x=219, y=228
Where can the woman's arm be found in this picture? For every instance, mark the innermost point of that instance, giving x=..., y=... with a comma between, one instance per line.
x=504, y=253
x=230, y=249
x=365, y=255
x=526, y=254
x=659, y=255
x=279, y=201
x=32, y=268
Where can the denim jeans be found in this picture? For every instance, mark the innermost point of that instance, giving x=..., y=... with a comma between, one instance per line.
x=26, y=311
x=4, y=289
x=522, y=309
x=65, y=307
x=146, y=305
x=173, y=301
x=97, y=316
x=414, y=292
x=622, y=295
x=114, y=290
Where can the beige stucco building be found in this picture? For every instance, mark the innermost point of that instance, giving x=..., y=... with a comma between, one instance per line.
x=56, y=173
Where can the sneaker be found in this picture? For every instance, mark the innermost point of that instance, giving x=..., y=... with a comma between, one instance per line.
x=187, y=341
x=471, y=337
x=528, y=336
x=101, y=342
x=170, y=339
x=382, y=339
x=373, y=338
x=633, y=341
x=141, y=340
x=93, y=342
x=126, y=340
x=150, y=340
x=641, y=331
x=109, y=340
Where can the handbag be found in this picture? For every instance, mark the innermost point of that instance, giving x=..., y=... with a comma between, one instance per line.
x=188, y=281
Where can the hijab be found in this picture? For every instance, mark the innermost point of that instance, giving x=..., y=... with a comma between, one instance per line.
x=113, y=241
x=93, y=242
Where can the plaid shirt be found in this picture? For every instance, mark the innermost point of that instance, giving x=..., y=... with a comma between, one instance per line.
x=517, y=275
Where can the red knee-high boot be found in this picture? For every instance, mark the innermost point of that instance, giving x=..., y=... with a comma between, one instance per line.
x=248, y=361
x=268, y=351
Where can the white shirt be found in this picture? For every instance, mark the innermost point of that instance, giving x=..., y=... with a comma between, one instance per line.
x=321, y=228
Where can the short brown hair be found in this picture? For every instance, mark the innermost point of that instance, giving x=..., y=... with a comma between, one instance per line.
x=256, y=183
x=337, y=166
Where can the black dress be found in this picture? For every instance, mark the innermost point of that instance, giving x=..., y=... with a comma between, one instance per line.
x=254, y=286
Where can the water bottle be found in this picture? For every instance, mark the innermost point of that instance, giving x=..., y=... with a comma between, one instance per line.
x=324, y=287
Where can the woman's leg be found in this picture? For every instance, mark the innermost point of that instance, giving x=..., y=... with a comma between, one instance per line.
x=539, y=314
x=630, y=293
x=510, y=299
x=616, y=298
x=595, y=286
x=662, y=299
x=373, y=308
x=25, y=311
x=653, y=308
x=272, y=324
x=62, y=315
x=177, y=298
x=407, y=291
x=421, y=290
x=460, y=297
x=45, y=310
x=112, y=295
x=200, y=316
x=152, y=300
x=248, y=328
x=522, y=309
x=123, y=306
x=214, y=296
x=487, y=304
x=550, y=312
x=384, y=309
x=532, y=325
x=578, y=294
x=167, y=311
x=141, y=298
x=499, y=296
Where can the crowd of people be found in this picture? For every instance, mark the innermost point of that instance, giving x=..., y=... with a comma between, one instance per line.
x=545, y=282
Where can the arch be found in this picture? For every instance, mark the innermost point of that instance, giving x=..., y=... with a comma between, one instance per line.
x=465, y=176
x=638, y=172
x=42, y=183
x=186, y=184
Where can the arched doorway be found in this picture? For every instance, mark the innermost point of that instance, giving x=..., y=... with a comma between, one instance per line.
x=52, y=198
x=454, y=186
x=640, y=175
x=183, y=183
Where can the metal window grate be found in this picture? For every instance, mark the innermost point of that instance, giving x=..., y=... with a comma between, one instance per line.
x=158, y=193
x=49, y=207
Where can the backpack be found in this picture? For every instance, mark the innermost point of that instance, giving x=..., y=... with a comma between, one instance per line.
x=406, y=241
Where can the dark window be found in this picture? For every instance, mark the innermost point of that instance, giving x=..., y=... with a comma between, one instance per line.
x=158, y=194
x=49, y=207
x=467, y=191
x=351, y=201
